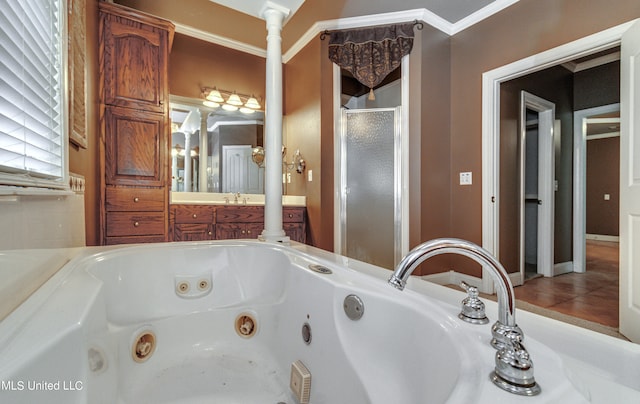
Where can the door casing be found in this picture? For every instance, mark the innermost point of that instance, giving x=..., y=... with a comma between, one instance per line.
x=491, y=82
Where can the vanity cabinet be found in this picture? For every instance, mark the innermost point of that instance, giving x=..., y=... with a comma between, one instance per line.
x=233, y=222
x=192, y=223
x=224, y=222
x=134, y=125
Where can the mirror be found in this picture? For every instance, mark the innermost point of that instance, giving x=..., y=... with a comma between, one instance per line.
x=222, y=161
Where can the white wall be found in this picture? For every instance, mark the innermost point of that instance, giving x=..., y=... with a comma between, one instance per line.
x=42, y=221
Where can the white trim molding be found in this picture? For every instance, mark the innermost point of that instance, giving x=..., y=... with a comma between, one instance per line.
x=421, y=14
x=603, y=237
x=219, y=40
x=454, y=278
x=491, y=82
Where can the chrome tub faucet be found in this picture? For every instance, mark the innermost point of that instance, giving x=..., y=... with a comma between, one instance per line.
x=513, y=367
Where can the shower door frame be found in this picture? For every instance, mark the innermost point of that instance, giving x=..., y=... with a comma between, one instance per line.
x=401, y=168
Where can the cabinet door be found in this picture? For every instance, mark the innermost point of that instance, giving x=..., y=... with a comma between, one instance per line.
x=193, y=232
x=295, y=231
x=253, y=230
x=135, y=64
x=228, y=231
x=135, y=144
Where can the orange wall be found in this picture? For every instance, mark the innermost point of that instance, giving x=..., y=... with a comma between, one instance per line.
x=194, y=64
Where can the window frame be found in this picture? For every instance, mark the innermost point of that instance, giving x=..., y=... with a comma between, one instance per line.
x=24, y=184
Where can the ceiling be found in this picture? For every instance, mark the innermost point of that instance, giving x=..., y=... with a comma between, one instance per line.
x=238, y=23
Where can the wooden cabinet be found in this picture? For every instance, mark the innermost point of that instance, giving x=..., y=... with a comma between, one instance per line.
x=207, y=222
x=233, y=222
x=135, y=59
x=192, y=223
x=135, y=147
x=294, y=223
x=134, y=131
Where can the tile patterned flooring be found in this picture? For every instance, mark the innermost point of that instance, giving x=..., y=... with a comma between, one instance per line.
x=591, y=296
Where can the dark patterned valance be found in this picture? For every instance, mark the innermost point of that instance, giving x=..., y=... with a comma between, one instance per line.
x=370, y=54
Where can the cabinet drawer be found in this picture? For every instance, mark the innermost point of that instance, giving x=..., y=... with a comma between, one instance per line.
x=135, y=199
x=135, y=224
x=292, y=215
x=194, y=214
x=240, y=214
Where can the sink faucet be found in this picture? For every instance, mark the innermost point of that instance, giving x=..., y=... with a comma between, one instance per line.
x=236, y=197
x=514, y=368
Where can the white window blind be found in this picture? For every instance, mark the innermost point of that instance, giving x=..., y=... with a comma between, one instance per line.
x=32, y=131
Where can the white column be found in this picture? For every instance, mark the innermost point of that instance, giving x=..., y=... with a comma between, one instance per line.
x=204, y=152
x=273, y=229
x=187, y=162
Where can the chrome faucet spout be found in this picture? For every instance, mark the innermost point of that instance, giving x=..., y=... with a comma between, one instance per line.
x=514, y=368
x=506, y=297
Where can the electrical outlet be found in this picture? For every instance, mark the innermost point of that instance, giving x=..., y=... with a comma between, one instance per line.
x=310, y=175
x=465, y=178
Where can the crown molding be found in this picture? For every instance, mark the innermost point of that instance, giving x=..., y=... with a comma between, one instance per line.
x=422, y=15
x=219, y=40
x=480, y=15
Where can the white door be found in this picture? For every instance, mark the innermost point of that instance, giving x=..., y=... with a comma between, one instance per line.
x=630, y=185
x=239, y=172
x=537, y=183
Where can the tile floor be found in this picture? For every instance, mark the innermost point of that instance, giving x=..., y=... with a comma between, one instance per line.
x=591, y=296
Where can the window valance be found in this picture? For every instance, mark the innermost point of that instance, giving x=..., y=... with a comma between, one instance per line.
x=370, y=54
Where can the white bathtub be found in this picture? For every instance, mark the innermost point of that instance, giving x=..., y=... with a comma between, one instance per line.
x=72, y=340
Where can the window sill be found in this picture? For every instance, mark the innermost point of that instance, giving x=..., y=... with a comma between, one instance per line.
x=12, y=194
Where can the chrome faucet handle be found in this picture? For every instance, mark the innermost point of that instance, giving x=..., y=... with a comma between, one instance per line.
x=514, y=370
x=472, y=307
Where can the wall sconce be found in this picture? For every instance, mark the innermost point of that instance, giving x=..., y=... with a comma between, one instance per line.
x=257, y=155
x=297, y=162
x=229, y=101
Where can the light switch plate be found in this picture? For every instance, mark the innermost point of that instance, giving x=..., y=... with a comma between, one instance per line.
x=466, y=178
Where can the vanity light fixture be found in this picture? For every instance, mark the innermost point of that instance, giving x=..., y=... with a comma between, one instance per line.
x=215, y=96
x=210, y=104
x=234, y=99
x=229, y=107
x=230, y=101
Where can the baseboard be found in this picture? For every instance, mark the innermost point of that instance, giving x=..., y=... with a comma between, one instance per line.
x=562, y=268
x=454, y=278
x=602, y=237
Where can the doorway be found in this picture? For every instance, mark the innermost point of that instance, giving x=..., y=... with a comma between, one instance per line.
x=369, y=144
x=537, y=199
x=371, y=168
x=581, y=130
x=604, y=40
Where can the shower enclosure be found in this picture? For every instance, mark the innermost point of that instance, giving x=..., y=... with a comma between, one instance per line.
x=370, y=185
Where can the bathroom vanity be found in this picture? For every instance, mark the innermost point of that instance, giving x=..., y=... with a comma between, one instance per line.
x=222, y=222
x=195, y=216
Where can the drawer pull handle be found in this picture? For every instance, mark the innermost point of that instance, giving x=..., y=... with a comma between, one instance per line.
x=136, y=224
x=136, y=199
x=194, y=215
x=248, y=231
x=210, y=233
x=243, y=231
x=290, y=215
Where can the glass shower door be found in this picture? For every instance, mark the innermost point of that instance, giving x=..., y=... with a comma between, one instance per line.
x=370, y=200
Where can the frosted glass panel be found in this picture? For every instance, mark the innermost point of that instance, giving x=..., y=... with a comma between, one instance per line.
x=369, y=188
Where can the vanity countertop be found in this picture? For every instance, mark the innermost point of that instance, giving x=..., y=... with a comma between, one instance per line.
x=210, y=198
